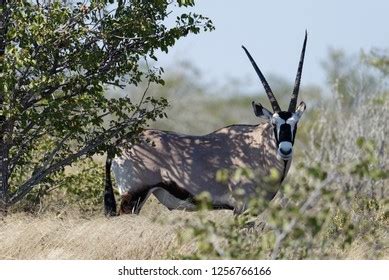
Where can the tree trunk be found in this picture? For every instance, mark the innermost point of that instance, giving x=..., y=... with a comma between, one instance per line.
x=3, y=146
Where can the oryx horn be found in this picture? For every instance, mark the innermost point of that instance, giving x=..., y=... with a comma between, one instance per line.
x=272, y=99
x=293, y=101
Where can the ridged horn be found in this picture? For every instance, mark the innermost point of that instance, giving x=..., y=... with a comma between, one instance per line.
x=270, y=95
x=293, y=100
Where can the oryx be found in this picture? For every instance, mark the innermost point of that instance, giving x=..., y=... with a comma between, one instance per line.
x=176, y=167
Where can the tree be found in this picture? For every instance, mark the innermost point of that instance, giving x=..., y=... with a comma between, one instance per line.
x=56, y=60
x=379, y=58
x=350, y=77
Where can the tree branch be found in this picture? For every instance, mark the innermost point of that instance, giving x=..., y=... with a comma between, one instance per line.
x=43, y=172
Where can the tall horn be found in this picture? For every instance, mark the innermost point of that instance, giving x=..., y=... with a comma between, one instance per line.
x=273, y=100
x=293, y=100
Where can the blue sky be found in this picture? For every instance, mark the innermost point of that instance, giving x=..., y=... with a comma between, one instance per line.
x=273, y=31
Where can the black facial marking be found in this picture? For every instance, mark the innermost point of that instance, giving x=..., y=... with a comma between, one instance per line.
x=285, y=133
x=294, y=133
x=285, y=115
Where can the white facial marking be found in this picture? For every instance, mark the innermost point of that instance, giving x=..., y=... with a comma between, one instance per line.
x=292, y=121
x=285, y=146
x=277, y=121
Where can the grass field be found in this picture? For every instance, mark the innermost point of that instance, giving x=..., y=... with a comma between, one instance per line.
x=68, y=235
x=151, y=235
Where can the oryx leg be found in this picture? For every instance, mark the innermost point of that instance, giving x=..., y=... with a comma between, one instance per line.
x=169, y=194
x=132, y=202
x=173, y=197
x=134, y=186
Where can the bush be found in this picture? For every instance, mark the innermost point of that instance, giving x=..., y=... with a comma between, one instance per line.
x=78, y=187
x=315, y=218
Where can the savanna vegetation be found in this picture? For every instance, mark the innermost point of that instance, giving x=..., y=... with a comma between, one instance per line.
x=333, y=204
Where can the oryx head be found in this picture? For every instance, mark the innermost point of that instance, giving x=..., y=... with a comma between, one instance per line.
x=283, y=122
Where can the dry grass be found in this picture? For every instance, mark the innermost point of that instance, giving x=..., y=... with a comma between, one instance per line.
x=151, y=235
x=68, y=236
x=364, y=249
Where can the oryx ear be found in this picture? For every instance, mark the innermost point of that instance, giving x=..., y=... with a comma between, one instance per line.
x=261, y=111
x=300, y=109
